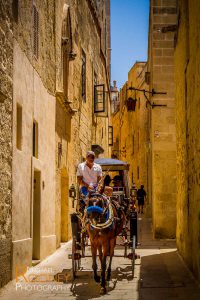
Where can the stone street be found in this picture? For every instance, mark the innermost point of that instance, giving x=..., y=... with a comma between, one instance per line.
x=159, y=274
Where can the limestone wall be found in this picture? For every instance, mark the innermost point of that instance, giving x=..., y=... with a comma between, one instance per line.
x=66, y=123
x=37, y=105
x=187, y=58
x=130, y=127
x=6, y=67
x=163, y=15
x=33, y=90
x=138, y=126
x=23, y=32
x=79, y=131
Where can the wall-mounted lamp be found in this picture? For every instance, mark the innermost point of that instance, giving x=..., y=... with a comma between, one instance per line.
x=72, y=193
x=131, y=104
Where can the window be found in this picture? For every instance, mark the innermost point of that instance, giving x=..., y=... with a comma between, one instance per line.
x=19, y=127
x=110, y=135
x=35, y=31
x=83, y=76
x=99, y=98
x=35, y=139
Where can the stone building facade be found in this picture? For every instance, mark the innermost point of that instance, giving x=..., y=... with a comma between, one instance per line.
x=6, y=86
x=78, y=128
x=130, y=126
x=162, y=158
x=187, y=64
x=33, y=168
x=56, y=73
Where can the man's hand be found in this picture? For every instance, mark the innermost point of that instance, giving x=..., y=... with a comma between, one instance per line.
x=90, y=188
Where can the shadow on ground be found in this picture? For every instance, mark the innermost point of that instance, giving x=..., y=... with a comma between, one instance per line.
x=84, y=286
x=164, y=276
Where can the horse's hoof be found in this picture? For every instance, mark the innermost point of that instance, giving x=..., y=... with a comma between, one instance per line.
x=97, y=278
x=103, y=291
x=108, y=278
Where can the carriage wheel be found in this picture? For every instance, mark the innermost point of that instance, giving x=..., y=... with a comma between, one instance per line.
x=74, y=261
x=133, y=255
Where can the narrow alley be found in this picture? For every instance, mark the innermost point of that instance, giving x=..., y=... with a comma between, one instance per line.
x=159, y=274
x=99, y=122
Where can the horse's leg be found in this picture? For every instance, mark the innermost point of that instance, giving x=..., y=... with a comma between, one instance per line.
x=112, y=246
x=94, y=262
x=103, y=266
x=100, y=253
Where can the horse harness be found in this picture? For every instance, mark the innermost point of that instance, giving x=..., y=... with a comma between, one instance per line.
x=107, y=210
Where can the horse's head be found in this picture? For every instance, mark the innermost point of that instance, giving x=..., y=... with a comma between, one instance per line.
x=96, y=207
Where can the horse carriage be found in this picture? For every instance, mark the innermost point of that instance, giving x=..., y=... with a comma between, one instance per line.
x=107, y=217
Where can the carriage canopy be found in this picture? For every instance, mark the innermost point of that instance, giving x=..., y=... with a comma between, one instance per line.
x=112, y=164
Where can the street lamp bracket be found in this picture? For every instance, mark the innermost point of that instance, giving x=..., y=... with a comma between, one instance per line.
x=152, y=92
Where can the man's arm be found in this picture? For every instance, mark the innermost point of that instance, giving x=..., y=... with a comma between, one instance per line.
x=79, y=175
x=81, y=182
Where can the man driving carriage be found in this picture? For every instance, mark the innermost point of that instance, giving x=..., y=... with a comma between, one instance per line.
x=88, y=175
x=103, y=219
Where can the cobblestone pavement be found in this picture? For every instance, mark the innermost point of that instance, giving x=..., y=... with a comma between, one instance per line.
x=160, y=274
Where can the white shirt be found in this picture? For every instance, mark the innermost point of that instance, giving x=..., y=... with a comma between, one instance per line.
x=89, y=175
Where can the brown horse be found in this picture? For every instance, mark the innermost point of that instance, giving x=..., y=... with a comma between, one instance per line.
x=103, y=224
